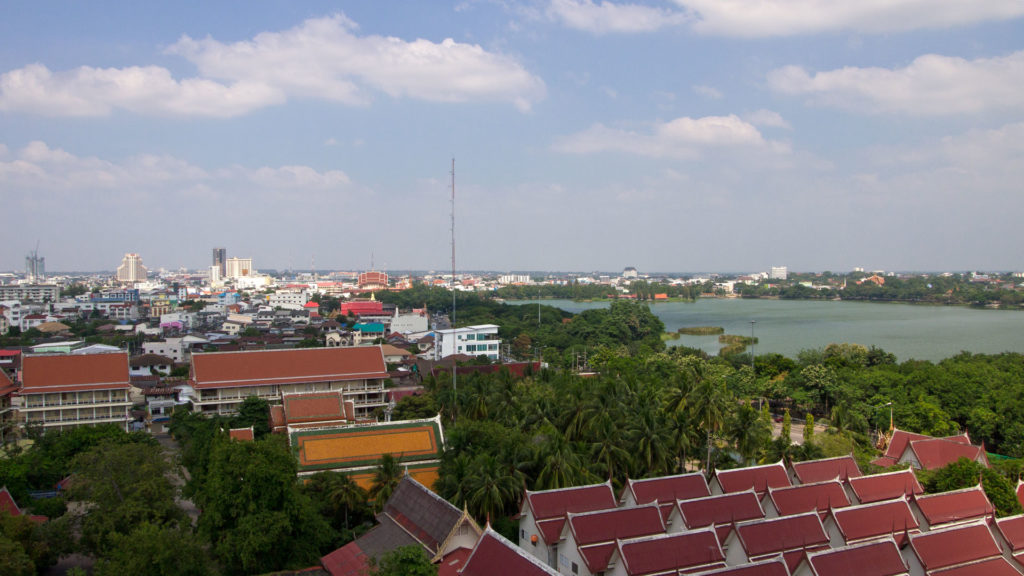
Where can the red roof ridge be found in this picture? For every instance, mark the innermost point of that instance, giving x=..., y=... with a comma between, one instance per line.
x=492, y=534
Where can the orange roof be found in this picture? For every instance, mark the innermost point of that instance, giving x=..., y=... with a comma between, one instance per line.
x=72, y=373
x=328, y=406
x=242, y=434
x=355, y=446
x=276, y=367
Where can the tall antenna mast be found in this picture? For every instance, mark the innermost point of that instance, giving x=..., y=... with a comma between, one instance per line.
x=455, y=385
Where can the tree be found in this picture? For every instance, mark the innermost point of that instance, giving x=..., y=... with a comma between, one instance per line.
x=491, y=488
x=405, y=561
x=749, y=432
x=157, y=551
x=709, y=401
x=787, y=426
x=255, y=412
x=385, y=479
x=809, y=429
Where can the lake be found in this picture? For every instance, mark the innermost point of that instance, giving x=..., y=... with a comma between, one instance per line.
x=789, y=326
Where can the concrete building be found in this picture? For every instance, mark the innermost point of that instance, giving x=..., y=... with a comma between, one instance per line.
x=373, y=280
x=480, y=340
x=238, y=268
x=778, y=273
x=30, y=292
x=288, y=299
x=131, y=269
x=416, y=321
x=58, y=392
x=220, y=256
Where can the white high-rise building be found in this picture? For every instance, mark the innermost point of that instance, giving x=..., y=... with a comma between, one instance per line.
x=778, y=273
x=238, y=268
x=131, y=269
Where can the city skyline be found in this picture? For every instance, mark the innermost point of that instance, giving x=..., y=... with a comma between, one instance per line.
x=673, y=135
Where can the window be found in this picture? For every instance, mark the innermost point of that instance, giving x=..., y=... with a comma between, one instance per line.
x=575, y=568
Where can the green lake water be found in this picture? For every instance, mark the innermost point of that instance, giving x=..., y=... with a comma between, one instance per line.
x=789, y=326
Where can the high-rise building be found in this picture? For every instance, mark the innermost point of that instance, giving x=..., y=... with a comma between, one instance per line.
x=35, y=268
x=131, y=269
x=778, y=273
x=220, y=256
x=238, y=267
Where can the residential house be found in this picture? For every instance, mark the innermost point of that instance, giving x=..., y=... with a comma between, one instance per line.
x=149, y=364
x=665, y=490
x=682, y=552
x=881, y=558
x=478, y=340
x=790, y=536
x=760, y=478
x=493, y=555
x=819, y=497
x=886, y=486
x=542, y=516
x=868, y=522
x=588, y=539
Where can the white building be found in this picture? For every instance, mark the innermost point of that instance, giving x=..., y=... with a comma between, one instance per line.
x=417, y=321
x=478, y=340
x=288, y=299
x=238, y=267
x=30, y=292
x=778, y=273
x=514, y=279
x=131, y=269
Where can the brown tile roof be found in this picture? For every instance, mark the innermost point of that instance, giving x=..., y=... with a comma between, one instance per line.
x=887, y=486
x=595, y=532
x=772, y=567
x=668, y=553
x=349, y=560
x=760, y=478
x=990, y=567
x=1012, y=530
x=549, y=507
x=811, y=471
x=666, y=490
x=954, y=506
x=868, y=521
x=276, y=367
x=493, y=555
x=720, y=511
x=362, y=445
x=955, y=546
x=150, y=360
x=74, y=372
x=872, y=559
x=242, y=434
x=788, y=535
x=320, y=407
x=819, y=497
x=938, y=452
x=421, y=513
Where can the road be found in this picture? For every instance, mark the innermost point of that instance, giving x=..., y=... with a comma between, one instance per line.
x=796, y=431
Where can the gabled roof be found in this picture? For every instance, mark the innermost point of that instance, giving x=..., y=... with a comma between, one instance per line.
x=290, y=366
x=887, y=486
x=720, y=511
x=879, y=519
x=955, y=546
x=150, y=360
x=897, y=444
x=319, y=407
x=666, y=490
x=935, y=453
x=873, y=559
x=549, y=507
x=595, y=532
x=760, y=478
x=954, y=506
x=349, y=560
x=71, y=373
x=811, y=471
x=771, y=567
x=493, y=555
x=666, y=553
x=424, y=515
x=7, y=503
x=242, y=434
x=788, y=535
x=991, y=567
x=818, y=497
x=1012, y=530
x=1020, y=491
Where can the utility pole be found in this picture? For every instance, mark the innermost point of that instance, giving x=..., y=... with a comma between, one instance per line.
x=455, y=341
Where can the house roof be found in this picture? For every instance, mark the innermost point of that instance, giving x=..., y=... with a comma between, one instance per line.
x=799, y=533
x=935, y=453
x=665, y=553
x=811, y=471
x=887, y=486
x=990, y=567
x=760, y=478
x=887, y=518
x=321, y=407
x=898, y=442
x=289, y=366
x=1012, y=530
x=666, y=490
x=7, y=503
x=242, y=434
x=1020, y=491
x=818, y=497
x=955, y=546
x=954, y=506
x=873, y=559
x=150, y=360
x=390, y=350
x=901, y=441
x=549, y=507
x=720, y=511
x=771, y=567
x=493, y=555
x=451, y=564
x=424, y=515
x=595, y=532
x=71, y=373
x=362, y=445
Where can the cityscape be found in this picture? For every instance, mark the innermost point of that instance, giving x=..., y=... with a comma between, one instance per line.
x=488, y=288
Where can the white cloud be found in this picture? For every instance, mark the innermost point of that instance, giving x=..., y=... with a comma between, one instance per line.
x=767, y=119
x=708, y=92
x=321, y=58
x=680, y=138
x=931, y=85
x=611, y=18
x=760, y=18
x=324, y=58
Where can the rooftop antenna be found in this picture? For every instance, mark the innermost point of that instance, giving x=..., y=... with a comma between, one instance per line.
x=455, y=386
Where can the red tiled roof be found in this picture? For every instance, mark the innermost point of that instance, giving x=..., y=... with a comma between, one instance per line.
x=811, y=471
x=891, y=517
x=954, y=506
x=7, y=503
x=684, y=551
x=1012, y=529
x=327, y=406
x=550, y=506
x=760, y=478
x=74, y=372
x=874, y=559
x=348, y=560
x=990, y=567
x=1020, y=491
x=803, y=532
x=773, y=567
x=242, y=434
x=720, y=511
x=453, y=562
x=496, y=556
x=938, y=452
x=878, y=487
x=946, y=548
x=666, y=490
x=595, y=533
x=275, y=367
x=819, y=497
x=899, y=441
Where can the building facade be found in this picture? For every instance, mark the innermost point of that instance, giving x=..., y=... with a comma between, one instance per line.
x=30, y=292
x=220, y=257
x=238, y=268
x=480, y=340
x=131, y=269
x=778, y=273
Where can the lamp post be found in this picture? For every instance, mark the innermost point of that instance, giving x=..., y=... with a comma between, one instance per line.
x=891, y=427
x=753, y=371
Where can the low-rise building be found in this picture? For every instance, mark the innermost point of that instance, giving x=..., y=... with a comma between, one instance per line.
x=480, y=340
x=57, y=392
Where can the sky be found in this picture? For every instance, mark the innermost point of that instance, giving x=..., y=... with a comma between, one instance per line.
x=674, y=135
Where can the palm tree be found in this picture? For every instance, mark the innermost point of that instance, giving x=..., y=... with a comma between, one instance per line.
x=749, y=431
x=385, y=479
x=490, y=487
x=709, y=401
x=650, y=443
x=560, y=465
x=680, y=431
x=344, y=494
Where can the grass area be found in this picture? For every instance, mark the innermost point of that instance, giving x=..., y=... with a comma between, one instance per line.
x=701, y=330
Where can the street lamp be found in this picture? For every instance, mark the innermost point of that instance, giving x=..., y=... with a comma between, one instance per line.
x=891, y=427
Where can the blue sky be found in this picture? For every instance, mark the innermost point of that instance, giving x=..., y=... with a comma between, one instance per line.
x=682, y=135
